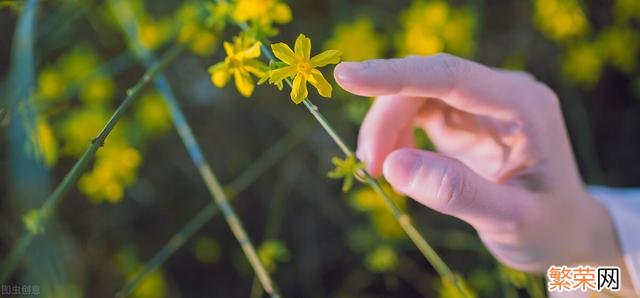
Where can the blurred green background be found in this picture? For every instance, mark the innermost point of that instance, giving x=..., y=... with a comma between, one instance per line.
x=271, y=155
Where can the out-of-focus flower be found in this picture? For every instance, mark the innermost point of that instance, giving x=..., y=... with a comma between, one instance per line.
x=241, y=62
x=455, y=287
x=367, y=200
x=33, y=221
x=382, y=259
x=153, y=285
x=357, y=40
x=78, y=64
x=345, y=169
x=560, y=20
x=272, y=252
x=47, y=143
x=626, y=10
x=152, y=113
x=262, y=11
x=620, y=46
x=206, y=249
x=97, y=90
x=302, y=67
x=115, y=168
x=200, y=35
x=51, y=84
x=154, y=33
x=430, y=27
x=79, y=127
x=583, y=64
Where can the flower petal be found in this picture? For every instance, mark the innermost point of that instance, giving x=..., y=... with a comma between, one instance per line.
x=228, y=48
x=244, y=82
x=281, y=13
x=299, y=90
x=277, y=75
x=219, y=74
x=303, y=46
x=255, y=67
x=253, y=51
x=317, y=80
x=284, y=53
x=326, y=57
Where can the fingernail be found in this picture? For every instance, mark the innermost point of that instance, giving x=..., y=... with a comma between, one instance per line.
x=402, y=168
x=346, y=70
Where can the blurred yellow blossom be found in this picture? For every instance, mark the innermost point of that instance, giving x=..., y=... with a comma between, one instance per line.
x=620, y=46
x=97, y=90
x=582, y=64
x=114, y=169
x=262, y=11
x=560, y=19
x=429, y=27
x=201, y=38
x=626, y=10
x=51, y=84
x=206, y=249
x=241, y=62
x=357, y=40
x=79, y=127
x=78, y=64
x=302, y=67
x=153, y=33
x=47, y=143
x=367, y=200
x=382, y=259
x=153, y=285
x=152, y=113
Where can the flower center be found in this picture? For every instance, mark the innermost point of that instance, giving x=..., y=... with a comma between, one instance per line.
x=304, y=67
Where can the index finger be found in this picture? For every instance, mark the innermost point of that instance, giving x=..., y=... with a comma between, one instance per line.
x=460, y=83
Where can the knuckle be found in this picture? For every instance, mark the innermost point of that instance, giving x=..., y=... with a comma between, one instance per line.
x=455, y=68
x=452, y=187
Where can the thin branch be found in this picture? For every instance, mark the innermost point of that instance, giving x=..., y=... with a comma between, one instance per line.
x=70, y=179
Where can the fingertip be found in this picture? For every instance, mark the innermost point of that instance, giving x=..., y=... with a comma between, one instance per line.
x=401, y=167
x=363, y=78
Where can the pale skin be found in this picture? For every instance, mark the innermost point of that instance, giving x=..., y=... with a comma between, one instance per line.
x=504, y=163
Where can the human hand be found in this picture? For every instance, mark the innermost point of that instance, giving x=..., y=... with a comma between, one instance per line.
x=504, y=161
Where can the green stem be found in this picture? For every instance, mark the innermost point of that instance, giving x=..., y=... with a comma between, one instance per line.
x=259, y=167
x=81, y=165
x=402, y=218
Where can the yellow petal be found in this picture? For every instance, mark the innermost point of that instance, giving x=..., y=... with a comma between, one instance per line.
x=255, y=67
x=326, y=57
x=284, y=53
x=219, y=74
x=318, y=81
x=277, y=75
x=253, y=51
x=281, y=13
x=299, y=90
x=228, y=48
x=303, y=46
x=244, y=82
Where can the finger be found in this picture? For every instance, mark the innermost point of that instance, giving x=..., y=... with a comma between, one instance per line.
x=460, y=83
x=387, y=126
x=448, y=186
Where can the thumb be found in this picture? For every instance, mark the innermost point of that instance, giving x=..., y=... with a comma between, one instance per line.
x=449, y=186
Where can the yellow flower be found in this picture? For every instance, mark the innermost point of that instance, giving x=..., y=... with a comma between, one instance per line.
x=358, y=40
x=241, y=62
x=435, y=26
x=51, y=84
x=47, y=143
x=620, y=46
x=152, y=113
x=560, y=20
x=262, y=11
x=98, y=90
x=583, y=64
x=302, y=67
x=382, y=259
x=346, y=168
